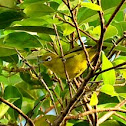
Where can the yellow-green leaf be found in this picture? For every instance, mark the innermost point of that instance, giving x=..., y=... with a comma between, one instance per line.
x=94, y=99
x=108, y=89
x=108, y=76
x=67, y=29
x=91, y=6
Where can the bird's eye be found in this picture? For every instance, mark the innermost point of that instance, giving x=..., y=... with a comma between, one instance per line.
x=49, y=58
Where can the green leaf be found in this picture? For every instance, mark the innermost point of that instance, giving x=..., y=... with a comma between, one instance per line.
x=96, y=31
x=26, y=91
x=4, y=108
x=38, y=9
x=38, y=103
x=94, y=99
x=109, y=4
x=120, y=26
x=13, y=92
x=114, y=117
x=38, y=21
x=41, y=121
x=118, y=61
x=27, y=2
x=104, y=98
x=87, y=15
x=110, y=123
x=91, y=6
x=117, y=48
x=11, y=80
x=21, y=40
x=7, y=17
x=121, y=90
x=110, y=32
x=108, y=76
x=27, y=105
x=8, y=3
x=11, y=58
x=38, y=29
x=69, y=124
x=47, y=79
x=67, y=29
x=82, y=123
x=25, y=76
x=108, y=89
x=6, y=51
x=4, y=121
x=64, y=9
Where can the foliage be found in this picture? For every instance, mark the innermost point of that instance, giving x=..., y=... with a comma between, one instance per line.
x=29, y=29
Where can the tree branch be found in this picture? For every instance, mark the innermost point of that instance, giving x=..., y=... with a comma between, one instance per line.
x=100, y=42
x=117, y=42
x=79, y=35
x=18, y=110
x=88, y=35
x=94, y=111
x=73, y=100
x=107, y=115
x=115, y=67
x=115, y=12
x=63, y=60
x=39, y=77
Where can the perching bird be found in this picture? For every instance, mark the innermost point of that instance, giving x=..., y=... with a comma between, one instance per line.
x=75, y=62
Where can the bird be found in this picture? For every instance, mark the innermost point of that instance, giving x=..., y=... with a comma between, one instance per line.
x=75, y=61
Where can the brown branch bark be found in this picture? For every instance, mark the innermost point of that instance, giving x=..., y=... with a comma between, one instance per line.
x=88, y=35
x=115, y=12
x=63, y=60
x=117, y=42
x=94, y=111
x=115, y=67
x=73, y=100
x=100, y=42
x=18, y=110
x=39, y=77
x=107, y=115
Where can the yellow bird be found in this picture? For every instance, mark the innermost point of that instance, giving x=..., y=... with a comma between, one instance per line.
x=75, y=62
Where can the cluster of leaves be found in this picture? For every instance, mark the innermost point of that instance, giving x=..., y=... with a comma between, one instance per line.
x=27, y=26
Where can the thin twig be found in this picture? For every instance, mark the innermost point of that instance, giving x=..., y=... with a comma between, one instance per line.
x=114, y=45
x=88, y=35
x=107, y=115
x=63, y=60
x=115, y=12
x=73, y=100
x=115, y=67
x=32, y=111
x=94, y=111
x=96, y=116
x=79, y=35
x=39, y=77
x=120, y=116
x=18, y=110
x=60, y=82
x=60, y=101
x=88, y=108
x=100, y=42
